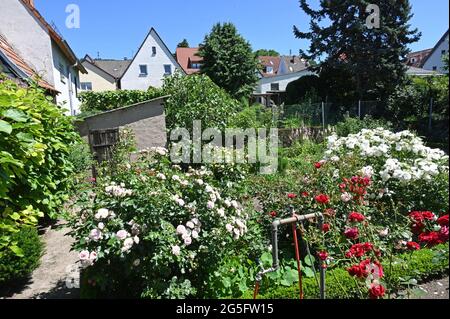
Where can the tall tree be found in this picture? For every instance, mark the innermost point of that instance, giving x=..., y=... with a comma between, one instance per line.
x=183, y=44
x=229, y=61
x=264, y=52
x=373, y=55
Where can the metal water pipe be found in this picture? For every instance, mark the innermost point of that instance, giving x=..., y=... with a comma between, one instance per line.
x=275, y=252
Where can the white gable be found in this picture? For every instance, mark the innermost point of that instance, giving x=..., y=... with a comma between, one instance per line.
x=435, y=61
x=153, y=57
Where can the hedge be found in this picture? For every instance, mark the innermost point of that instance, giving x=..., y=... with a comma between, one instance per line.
x=97, y=102
x=421, y=265
x=13, y=267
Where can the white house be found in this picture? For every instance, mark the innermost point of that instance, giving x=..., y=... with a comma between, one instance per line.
x=151, y=64
x=279, y=83
x=434, y=60
x=43, y=49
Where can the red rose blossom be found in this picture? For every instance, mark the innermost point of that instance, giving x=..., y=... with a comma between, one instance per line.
x=273, y=214
x=305, y=194
x=356, y=217
x=431, y=239
x=318, y=165
x=359, y=250
x=412, y=245
x=376, y=291
x=323, y=255
x=443, y=221
x=326, y=228
x=352, y=233
x=322, y=199
x=292, y=196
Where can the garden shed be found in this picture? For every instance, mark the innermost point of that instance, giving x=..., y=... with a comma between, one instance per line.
x=147, y=121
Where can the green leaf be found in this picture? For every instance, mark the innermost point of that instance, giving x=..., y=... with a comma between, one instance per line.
x=5, y=127
x=15, y=216
x=16, y=250
x=308, y=272
x=310, y=260
x=16, y=115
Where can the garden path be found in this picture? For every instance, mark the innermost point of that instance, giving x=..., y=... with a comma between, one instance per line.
x=48, y=281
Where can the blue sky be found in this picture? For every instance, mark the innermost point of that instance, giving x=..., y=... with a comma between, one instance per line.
x=116, y=28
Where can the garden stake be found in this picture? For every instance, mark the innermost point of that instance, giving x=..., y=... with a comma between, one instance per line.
x=276, y=262
x=297, y=257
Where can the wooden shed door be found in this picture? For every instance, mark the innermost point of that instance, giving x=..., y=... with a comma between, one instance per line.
x=102, y=143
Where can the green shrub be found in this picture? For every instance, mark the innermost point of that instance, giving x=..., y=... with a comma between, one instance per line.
x=256, y=116
x=353, y=125
x=94, y=102
x=197, y=98
x=35, y=141
x=80, y=156
x=421, y=265
x=13, y=267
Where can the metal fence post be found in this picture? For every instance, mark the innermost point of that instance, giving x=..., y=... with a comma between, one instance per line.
x=359, y=109
x=323, y=115
x=430, y=120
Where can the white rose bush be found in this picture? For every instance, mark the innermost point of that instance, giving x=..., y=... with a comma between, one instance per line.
x=154, y=229
x=399, y=164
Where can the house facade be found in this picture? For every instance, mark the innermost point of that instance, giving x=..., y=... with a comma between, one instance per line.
x=150, y=65
x=434, y=60
x=102, y=75
x=43, y=49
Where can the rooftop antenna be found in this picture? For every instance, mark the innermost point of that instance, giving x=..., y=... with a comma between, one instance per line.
x=290, y=52
x=98, y=55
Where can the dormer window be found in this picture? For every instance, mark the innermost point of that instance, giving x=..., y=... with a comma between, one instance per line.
x=269, y=69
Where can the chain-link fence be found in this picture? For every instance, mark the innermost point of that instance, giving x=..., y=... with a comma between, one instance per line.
x=324, y=113
x=429, y=117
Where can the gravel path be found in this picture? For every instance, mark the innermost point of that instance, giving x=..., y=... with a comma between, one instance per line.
x=58, y=266
x=437, y=289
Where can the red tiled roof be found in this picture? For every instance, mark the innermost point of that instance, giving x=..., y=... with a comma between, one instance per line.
x=272, y=61
x=419, y=57
x=187, y=55
x=12, y=55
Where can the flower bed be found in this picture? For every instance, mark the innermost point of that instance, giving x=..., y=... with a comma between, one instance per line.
x=159, y=231
x=164, y=231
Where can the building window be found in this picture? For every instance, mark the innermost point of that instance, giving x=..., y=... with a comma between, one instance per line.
x=154, y=50
x=167, y=69
x=413, y=60
x=196, y=66
x=86, y=86
x=434, y=68
x=143, y=70
x=275, y=86
x=62, y=73
x=443, y=52
x=269, y=69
